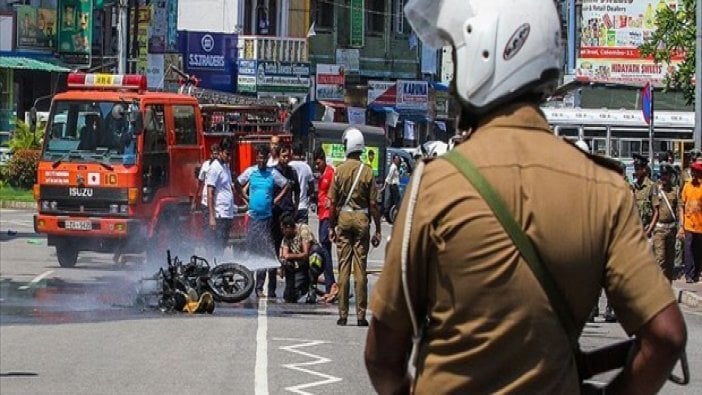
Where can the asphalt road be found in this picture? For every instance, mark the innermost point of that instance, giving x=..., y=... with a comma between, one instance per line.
x=77, y=331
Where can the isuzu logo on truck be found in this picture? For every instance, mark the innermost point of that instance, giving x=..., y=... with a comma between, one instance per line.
x=80, y=192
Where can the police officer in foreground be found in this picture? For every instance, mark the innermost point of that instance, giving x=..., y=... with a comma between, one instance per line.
x=352, y=197
x=488, y=325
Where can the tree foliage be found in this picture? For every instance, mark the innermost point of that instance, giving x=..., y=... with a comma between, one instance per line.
x=22, y=168
x=23, y=138
x=675, y=34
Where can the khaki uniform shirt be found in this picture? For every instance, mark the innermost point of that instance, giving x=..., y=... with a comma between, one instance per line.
x=490, y=325
x=665, y=216
x=646, y=198
x=361, y=197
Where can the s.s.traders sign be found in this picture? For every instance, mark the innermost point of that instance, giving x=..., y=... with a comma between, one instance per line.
x=205, y=52
x=412, y=95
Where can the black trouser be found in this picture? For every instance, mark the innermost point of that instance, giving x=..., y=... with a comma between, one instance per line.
x=394, y=196
x=693, y=255
x=221, y=236
x=296, y=281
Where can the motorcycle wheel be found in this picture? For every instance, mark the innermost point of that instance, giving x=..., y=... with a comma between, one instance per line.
x=230, y=282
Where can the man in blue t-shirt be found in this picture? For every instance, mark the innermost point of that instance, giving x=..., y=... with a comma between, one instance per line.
x=262, y=182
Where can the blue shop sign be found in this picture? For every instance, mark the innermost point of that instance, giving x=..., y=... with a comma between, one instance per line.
x=211, y=57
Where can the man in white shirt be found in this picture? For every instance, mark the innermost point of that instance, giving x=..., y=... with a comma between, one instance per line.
x=201, y=192
x=220, y=200
x=393, y=181
x=306, y=180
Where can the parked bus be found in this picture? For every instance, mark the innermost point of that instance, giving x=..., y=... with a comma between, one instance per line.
x=619, y=134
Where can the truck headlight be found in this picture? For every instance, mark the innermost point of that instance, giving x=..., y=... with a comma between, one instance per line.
x=53, y=205
x=123, y=209
x=45, y=205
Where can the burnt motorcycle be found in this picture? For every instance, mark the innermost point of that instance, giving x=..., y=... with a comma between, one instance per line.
x=194, y=286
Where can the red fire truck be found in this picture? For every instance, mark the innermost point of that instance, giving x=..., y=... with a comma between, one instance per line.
x=117, y=170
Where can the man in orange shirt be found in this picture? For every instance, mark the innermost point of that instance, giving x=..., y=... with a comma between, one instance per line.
x=691, y=226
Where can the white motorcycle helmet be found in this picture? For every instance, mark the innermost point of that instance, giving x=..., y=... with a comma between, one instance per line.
x=502, y=48
x=583, y=146
x=353, y=140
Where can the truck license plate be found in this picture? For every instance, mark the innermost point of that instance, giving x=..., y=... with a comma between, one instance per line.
x=78, y=225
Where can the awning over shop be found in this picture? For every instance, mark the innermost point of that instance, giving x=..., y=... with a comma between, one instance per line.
x=24, y=63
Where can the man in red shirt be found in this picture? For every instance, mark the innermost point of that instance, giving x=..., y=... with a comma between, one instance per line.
x=326, y=176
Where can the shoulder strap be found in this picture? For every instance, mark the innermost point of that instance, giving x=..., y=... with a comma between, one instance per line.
x=521, y=241
x=667, y=203
x=355, y=182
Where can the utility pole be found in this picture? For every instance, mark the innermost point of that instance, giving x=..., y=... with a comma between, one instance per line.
x=697, y=135
x=571, y=22
x=122, y=29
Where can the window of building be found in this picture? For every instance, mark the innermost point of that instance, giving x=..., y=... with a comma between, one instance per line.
x=184, y=120
x=375, y=16
x=322, y=14
x=399, y=22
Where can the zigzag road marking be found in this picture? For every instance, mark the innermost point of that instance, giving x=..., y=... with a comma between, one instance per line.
x=300, y=367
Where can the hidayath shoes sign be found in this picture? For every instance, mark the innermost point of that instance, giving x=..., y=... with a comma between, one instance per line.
x=611, y=32
x=36, y=27
x=75, y=26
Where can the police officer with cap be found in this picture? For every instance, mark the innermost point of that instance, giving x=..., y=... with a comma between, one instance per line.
x=666, y=212
x=645, y=194
x=454, y=284
x=352, y=196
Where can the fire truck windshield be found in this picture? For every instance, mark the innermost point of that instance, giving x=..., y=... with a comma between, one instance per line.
x=90, y=131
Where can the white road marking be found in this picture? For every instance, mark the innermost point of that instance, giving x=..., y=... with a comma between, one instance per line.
x=36, y=279
x=300, y=367
x=261, y=373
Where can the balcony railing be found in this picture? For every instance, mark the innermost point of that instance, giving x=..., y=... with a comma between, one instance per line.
x=267, y=48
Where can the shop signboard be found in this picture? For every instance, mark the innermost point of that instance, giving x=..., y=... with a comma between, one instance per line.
x=36, y=28
x=336, y=155
x=357, y=23
x=330, y=82
x=611, y=33
x=412, y=95
x=382, y=93
x=144, y=23
x=155, y=70
x=75, y=26
x=172, y=26
x=283, y=77
x=159, y=27
x=246, y=76
x=211, y=57
x=350, y=58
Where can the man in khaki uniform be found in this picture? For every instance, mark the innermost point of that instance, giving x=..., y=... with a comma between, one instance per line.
x=645, y=194
x=352, y=198
x=666, y=227
x=488, y=326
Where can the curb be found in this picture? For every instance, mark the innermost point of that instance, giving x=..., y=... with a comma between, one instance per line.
x=688, y=298
x=18, y=205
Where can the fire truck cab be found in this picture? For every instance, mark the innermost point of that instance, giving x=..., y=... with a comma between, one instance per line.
x=117, y=169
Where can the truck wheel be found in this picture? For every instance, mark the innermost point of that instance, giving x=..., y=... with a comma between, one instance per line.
x=67, y=253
